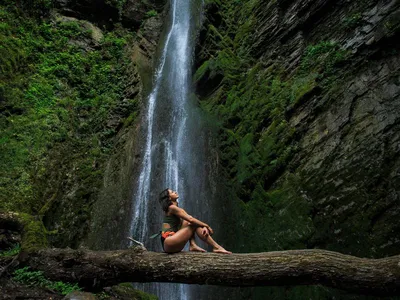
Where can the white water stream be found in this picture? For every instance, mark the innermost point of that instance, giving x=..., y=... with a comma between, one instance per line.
x=173, y=147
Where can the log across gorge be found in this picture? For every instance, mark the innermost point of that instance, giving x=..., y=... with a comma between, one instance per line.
x=93, y=270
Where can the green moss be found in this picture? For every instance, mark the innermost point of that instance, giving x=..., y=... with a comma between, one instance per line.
x=34, y=233
x=323, y=58
x=392, y=24
x=118, y=4
x=151, y=13
x=36, y=278
x=257, y=141
x=12, y=251
x=103, y=296
x=262, y=95
x=352, y=21
x=275, y=220
x=127, y=291
x=302, y=86
x=128, y=121
x=58, y=97
x=201, y=71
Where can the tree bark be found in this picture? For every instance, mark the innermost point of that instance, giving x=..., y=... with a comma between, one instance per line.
x=94, y=269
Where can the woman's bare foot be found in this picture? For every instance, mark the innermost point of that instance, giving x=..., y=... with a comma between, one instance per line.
x=221, y=250
x=196, y=248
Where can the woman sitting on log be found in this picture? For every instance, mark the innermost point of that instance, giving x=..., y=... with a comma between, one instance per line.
x=179, y=227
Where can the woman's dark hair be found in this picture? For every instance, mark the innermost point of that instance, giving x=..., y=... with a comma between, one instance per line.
x=164, y=200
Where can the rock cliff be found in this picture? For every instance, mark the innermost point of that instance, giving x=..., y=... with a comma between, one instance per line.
x=71, y=87
x=306, y=94
x=307, y=97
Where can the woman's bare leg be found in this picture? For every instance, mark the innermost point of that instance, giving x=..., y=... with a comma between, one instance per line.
x=193, y=246
x=209, y=240
x=177, y=242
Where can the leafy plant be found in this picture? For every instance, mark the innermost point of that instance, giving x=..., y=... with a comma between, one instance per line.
x=103, y=296
x=322, y=57
x=36, y=278
x=56, y=95
x=12, y=251
x=151, y=13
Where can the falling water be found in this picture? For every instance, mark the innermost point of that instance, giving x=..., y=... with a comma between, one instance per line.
x=175, y=145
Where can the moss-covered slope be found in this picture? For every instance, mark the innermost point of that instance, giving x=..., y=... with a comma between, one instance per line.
x=307, y=97
x=68, y=90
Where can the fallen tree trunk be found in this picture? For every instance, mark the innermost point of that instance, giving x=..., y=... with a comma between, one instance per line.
x=94, y=269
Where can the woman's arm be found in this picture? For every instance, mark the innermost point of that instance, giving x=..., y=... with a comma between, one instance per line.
x=179, y=212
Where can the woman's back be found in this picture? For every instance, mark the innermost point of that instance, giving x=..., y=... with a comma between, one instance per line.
x=173, y=221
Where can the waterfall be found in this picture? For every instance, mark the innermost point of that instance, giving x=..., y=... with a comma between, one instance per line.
x=174, y=141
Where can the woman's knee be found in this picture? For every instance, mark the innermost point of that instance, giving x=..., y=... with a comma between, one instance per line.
x=189, y=226
x=186, y=223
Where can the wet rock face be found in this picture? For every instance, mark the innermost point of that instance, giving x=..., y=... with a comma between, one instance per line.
x=345, y=120
x=288, y=27
x=130, y=13
x=349, y=159
x=110, y=223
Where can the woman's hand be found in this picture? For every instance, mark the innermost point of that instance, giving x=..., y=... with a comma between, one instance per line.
x=210, y=231
x=179, y=212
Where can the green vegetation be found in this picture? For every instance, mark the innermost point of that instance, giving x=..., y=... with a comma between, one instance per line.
x=12, y=251
x=125, y=290
x=119, y=4
x=275, y=220
x=252, y=102
x=60, y=88
x=103, y=296
x=36, y=278
x=323, y=58
x=353, y=21
x=257, y=141
x=262, y=92
x=34, y=233
x=151, y=13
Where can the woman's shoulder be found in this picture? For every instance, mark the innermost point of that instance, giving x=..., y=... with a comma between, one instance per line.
x=172, y=210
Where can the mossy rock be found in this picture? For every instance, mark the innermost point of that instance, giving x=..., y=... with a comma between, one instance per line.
x=34, y=235
x=126, y=291
x=80, y=296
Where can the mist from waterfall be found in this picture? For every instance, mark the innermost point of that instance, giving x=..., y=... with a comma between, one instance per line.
x=174, y=145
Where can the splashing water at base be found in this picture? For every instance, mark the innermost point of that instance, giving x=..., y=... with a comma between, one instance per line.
x=173, y=150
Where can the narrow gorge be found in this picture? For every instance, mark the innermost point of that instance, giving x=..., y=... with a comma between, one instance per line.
x=276, y=121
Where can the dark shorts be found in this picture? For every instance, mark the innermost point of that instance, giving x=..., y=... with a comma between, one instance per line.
x=162, y=243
